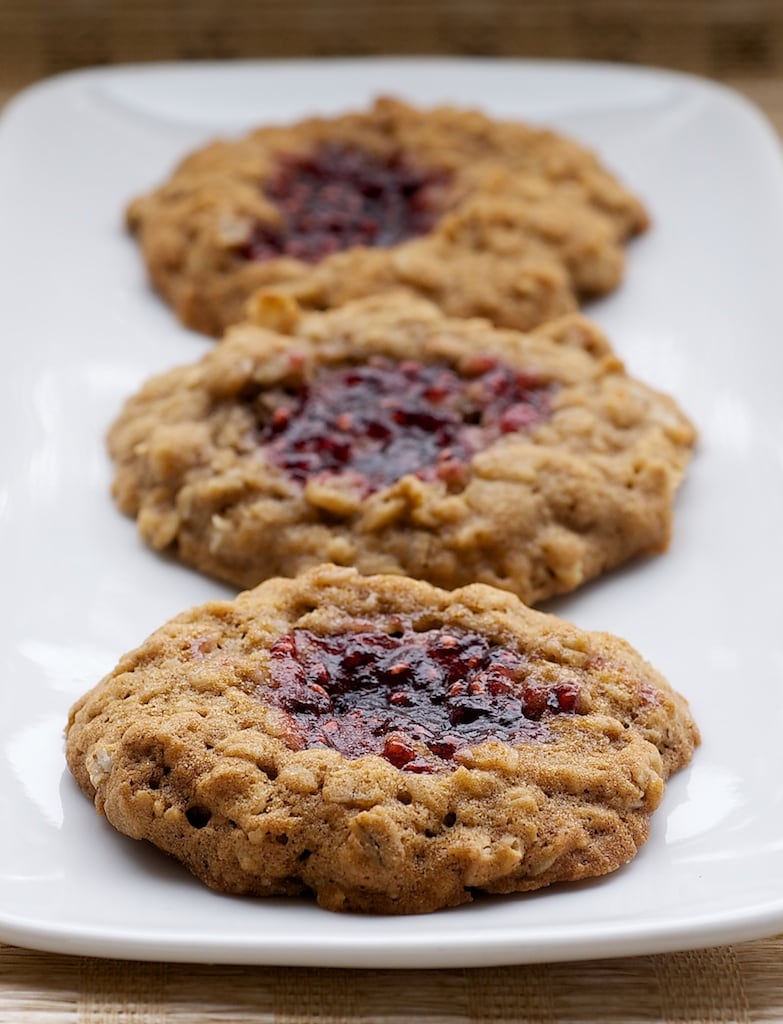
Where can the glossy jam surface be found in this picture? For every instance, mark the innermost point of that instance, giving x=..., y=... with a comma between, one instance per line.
x=414, y=698
x=383, y=419
x=342, y=197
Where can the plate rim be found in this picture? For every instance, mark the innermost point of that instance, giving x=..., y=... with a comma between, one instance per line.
x=709, y=929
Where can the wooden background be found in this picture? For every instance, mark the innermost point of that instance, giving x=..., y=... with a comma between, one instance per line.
x=737, y=41
x=723, y=38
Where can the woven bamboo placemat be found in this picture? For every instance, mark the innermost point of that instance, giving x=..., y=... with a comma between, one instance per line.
x=721, y=38
x=739, y=984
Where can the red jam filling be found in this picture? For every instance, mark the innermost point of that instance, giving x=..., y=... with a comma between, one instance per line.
x=414, y=698
x=384, y=419
x=341, y=197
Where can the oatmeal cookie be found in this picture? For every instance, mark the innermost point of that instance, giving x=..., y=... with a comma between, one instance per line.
x=386, y=745
x=386, y=436
x=486, y=218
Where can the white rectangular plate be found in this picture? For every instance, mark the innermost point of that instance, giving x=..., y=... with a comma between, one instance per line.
x=699, y=315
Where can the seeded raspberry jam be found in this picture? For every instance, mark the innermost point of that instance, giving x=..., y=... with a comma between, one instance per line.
x=414, y=698
x=342, y=197
x=384, y=419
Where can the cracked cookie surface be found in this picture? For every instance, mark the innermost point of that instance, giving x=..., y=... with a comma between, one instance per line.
x=386, y=745
x=386, y=436
x=484, y=217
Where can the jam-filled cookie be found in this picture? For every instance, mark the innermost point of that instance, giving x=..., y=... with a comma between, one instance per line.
x=484, y=217
x=386, y=745
x=386, y=436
